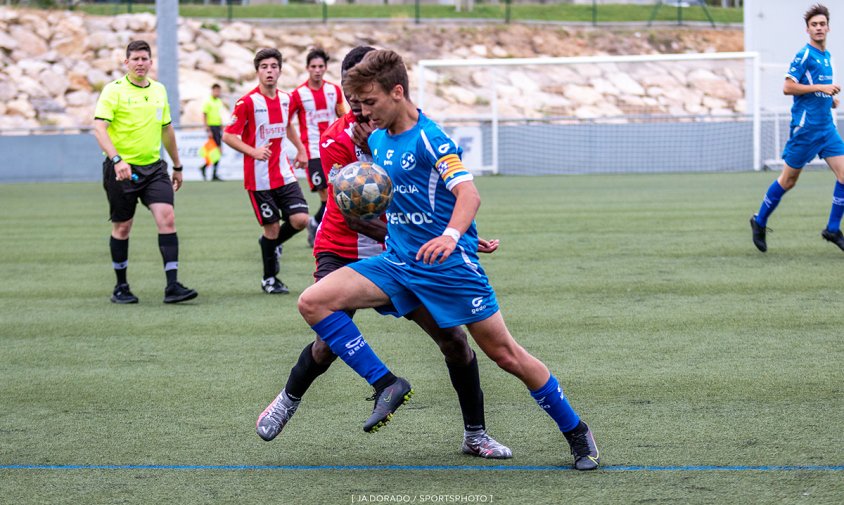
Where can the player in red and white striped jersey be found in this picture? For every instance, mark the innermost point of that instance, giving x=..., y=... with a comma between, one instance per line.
x=259, y=124
x=335, y=235
x=342, y=241
x=316, y=104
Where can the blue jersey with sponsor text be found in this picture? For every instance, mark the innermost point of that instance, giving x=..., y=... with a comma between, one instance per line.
x=424, y=164
x=811, y=66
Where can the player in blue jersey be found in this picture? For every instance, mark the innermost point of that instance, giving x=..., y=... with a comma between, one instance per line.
x=813, y=132
x=431, y=257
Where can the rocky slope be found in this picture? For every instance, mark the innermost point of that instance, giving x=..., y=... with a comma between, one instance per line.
x=53, y=64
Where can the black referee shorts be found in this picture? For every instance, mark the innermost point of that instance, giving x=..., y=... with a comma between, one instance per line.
x=153, y=186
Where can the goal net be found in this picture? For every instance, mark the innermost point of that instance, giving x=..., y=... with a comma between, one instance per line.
x=649, y=113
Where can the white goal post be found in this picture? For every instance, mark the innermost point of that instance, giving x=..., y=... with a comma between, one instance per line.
x=665, y=112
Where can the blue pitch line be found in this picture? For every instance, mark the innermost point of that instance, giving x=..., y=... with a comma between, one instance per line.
x=619, y=468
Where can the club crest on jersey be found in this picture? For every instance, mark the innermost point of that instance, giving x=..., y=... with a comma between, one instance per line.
x=333, y=172
x=408, y=161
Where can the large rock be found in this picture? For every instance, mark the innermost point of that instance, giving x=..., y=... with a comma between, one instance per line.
x=55, y=83
x=7, y=42
x=81, y=98
x=28, y=42
x=583, y=95
x=625, y=84
x=195, y=84
x=236, y=32
x=719, y=89
x=21, y=108
x=461, y=95
x=8, y=91
x=100, y=39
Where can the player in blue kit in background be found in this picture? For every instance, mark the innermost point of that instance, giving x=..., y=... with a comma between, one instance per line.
x=431, y=256
x=813, y=132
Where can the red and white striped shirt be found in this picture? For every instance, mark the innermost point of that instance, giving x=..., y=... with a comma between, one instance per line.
x=260, y=120
x=315, y=109
x=336, y=151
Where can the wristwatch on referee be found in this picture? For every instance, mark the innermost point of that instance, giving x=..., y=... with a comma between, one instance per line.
x=177, y=169
x=116, y=159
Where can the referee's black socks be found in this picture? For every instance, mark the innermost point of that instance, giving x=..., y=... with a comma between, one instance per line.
x=168, y=244
x=119, y=258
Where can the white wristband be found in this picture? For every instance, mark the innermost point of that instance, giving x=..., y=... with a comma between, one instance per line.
x=453, y=233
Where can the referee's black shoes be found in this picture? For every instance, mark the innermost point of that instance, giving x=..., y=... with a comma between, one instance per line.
x=836, y=237
x=175, y=293
x=122, y=294
x=759, y=234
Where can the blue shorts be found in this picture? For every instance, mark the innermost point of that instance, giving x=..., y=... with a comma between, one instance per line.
x=454, y=295
x=807, y=142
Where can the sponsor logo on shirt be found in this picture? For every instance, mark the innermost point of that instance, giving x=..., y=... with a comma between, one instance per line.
x=319, y=116
x=417, y=218
x=406, y=190
x=271, y=131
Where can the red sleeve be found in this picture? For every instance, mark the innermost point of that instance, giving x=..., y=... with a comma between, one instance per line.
x=334, y=152
x=295, y=103
x=239, y=117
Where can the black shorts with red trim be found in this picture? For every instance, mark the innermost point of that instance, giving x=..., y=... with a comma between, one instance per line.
x=272, y=205
x=316, y=176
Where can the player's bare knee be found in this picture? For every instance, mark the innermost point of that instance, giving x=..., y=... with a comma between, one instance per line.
x=788, y=181
x=507, y=359
x=121, y=230
x=299, y=221
x=306, y=305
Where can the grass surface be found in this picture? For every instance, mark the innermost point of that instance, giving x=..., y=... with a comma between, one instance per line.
x=678, y=342
x=519, y=12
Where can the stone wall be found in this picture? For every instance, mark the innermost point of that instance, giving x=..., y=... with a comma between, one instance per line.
x=53, y=64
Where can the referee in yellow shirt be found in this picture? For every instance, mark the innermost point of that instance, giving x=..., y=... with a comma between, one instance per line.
x=131, y=120
x=212, y=113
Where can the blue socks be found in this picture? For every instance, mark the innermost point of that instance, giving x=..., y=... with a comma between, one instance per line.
x=837, y=208
x=552, y=400
x=346, y=341
x=769, y=203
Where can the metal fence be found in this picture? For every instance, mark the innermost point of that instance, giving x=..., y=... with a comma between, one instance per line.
x=578, y=11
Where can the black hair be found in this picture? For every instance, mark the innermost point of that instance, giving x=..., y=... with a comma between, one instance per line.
x=138, y=45
x=265, y=54
x=816, y=10
x=314, y=54
x=354, y=57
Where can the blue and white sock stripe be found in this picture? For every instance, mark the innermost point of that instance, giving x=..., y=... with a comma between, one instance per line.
x=123, y=265
x=171, y=265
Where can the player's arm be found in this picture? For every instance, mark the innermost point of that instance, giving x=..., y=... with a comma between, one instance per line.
x=301, y=155
x=293, y=134
x=794, y=88
x=205, y=122
x=465, y=209
x=487, y=246
x=373, y=228
x=122, y=170
x=235, y=142
x=168, y=138
x=107, y=103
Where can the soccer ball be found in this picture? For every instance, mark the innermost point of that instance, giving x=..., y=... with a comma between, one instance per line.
x=363, y=190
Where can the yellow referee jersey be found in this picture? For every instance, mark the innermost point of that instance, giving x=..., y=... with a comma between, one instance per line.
x=136, y=116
